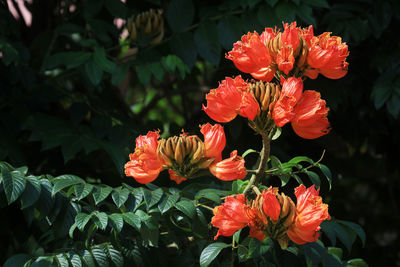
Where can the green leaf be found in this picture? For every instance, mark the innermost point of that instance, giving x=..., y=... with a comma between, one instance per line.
x=338, y=252
x=229, y=30
x=93, y=72
x=63, y=181
x=211, y=194
x=100, y=193
x=206, y=40
x=117, y=221
x=43, y=261
x=300, y=159
x=314, y=178
x=81, y=220
x=88, y=258
x=62, y=260
x=356, y=263
x=180, y=14
x=17, y=260
x=116, y=8
x=187, y=207
x=248, y=151
x=31, y=193
x=210, y=252
x=132, y=219
x=167, y=202
x=156, y=196
x=325, y=170
x=343, y=236
x=75, y=260
x=120, y=196
x=355, y=228
x=82, y=190
x=276, y=133
x=284, y=178
x=305, y=14
x=100, y=256
x=9, y=53
x=100, y=58
x=119, y=74
x=102, y=220
x=114, y=255
x=184, y=47
x=14, y=184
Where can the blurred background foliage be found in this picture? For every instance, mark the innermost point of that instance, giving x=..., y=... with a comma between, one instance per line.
x=77, y=89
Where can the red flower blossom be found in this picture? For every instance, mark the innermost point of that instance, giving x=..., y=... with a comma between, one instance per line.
x=310, y=119
x=285, y=59
x=229, y=169
x=292, y=89
x=271, y=206
x=250, y=55
x=230, y=99
x=175, y=177
x=328, y=55
x=144, y=165
x=214, y=140
x=310, y=213
x=231, y=216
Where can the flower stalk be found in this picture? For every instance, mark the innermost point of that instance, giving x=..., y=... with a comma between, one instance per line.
x=260, y=172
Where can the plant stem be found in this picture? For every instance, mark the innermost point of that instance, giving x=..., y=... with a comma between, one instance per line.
x=255, y=178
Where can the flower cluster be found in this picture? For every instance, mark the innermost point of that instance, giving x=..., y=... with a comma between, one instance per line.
x=290, y=55
x=274, y=215
x=184, y=156
x=292, y=51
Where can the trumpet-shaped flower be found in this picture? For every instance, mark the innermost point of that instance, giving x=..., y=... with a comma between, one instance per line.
x=231, y=216
x=144, y=165
x=310, y=213
x=214, y=140
x=230, y=99
x=229, y=169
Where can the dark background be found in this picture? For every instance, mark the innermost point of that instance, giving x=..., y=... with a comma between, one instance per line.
x=63, y=108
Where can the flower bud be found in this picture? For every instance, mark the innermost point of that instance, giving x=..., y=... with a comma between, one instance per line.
x=147, y=26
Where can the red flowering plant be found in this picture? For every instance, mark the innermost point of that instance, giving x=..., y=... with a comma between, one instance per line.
x=279, y=63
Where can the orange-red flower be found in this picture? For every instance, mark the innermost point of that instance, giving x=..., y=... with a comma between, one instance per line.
x=327, y=54
x=230, y=99
x=250, y=55
x=144, y=165
x=271, y=206
x=229, y=169
x=305, y=110
x=214, y=140
x=292, y=89
x=310, y=119
x=231, y=216
x=310, y=213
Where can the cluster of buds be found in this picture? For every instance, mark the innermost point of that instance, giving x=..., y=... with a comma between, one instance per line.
x=147, y=27
x=274, y=215
x=184, y=156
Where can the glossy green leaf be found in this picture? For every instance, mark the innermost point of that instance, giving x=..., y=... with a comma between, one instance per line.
x=206, y=40
x=17, y=260
x=14, y=184
x=100, y=193
x=314, y=178
x=114, y=255
x=31, y=193
x=102, y=220
x=355, y=228
x=186, y=207
x=210, y=252
x=167, y=202
x=248, y=151
x=119, y=196
x=64, y=181
x=132, y=219
x=100, y=256
x=82, y=190
x=100, y=58
x=81, y=220
x=117, y=221
x=356, y=263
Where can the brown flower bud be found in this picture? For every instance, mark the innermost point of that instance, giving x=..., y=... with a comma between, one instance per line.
x=266, y=94
x=147, y=26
